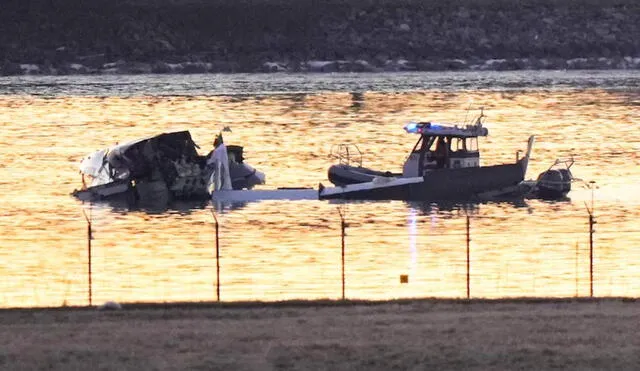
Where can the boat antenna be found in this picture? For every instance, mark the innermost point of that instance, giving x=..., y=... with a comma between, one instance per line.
x=479, y=120
x=467, y=115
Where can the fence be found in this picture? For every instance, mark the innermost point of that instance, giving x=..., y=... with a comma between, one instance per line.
x=492, y=263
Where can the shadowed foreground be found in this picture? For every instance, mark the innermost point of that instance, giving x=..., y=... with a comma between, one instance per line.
x=421, y=334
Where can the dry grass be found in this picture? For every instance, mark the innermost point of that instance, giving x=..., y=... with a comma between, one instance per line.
x=422, y=334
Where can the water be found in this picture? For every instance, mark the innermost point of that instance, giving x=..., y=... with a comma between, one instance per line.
x=268, y=84
x=276, y=250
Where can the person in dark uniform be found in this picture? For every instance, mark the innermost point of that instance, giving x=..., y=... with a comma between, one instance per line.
x=441, y=153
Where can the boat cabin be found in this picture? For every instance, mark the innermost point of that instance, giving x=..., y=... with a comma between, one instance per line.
x=442, y=146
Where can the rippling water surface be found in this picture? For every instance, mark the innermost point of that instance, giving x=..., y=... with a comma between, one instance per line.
x=275, y=250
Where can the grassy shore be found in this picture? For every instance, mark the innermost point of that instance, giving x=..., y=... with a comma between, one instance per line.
x=405, y=335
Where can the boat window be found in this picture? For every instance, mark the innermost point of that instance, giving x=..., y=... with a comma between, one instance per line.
x=471, y=144
x=429, y=144
x=458, y=144
x=418, y=145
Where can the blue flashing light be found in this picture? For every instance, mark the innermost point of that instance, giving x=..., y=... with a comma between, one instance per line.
x=411, y=127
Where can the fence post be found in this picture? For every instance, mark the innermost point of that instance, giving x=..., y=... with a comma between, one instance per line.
x=215, y=219
x=591, y=230
x=591, y=185
x=576, y=270
x=468, y=260
x=89, y=238
x=343, y=226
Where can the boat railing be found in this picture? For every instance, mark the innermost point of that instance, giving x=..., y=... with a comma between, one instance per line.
x=564, y=166
x=346, y=154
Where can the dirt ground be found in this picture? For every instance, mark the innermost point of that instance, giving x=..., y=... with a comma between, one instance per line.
x=404, y=335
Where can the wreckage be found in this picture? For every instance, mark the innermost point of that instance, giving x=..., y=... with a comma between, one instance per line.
x=164, y=167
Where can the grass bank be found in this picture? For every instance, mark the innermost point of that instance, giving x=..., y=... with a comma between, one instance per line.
x=412, y=334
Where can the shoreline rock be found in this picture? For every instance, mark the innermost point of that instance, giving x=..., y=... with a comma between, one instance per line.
x=60, y=37
x=121, y=67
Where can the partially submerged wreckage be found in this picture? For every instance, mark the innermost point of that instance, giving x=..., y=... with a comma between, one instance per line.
x=164, y=167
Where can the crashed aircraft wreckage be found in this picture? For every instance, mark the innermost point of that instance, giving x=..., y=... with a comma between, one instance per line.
x=165, y=166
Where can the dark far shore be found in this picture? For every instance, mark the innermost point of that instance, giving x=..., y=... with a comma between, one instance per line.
x=62, y=37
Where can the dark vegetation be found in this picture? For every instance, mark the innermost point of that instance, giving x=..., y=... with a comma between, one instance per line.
x=243, y=34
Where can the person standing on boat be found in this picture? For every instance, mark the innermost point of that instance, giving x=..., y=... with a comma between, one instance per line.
x=441, y=153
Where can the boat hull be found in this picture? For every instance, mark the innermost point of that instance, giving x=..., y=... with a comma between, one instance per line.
x=471, y=183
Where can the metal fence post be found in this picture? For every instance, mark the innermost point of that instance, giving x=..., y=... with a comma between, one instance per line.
x=215, y=219
x=591, y=210
x=89, y=238
x=576, y=270
x=343, y=226
x=591, y=230
x=468, y=260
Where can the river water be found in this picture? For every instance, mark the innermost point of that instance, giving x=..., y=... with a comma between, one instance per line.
x=279, y=250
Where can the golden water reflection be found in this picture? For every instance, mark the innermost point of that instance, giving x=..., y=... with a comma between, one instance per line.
x=285, y=250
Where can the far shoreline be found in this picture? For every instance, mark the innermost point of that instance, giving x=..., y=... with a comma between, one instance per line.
x=122, y=67
x=64, y=37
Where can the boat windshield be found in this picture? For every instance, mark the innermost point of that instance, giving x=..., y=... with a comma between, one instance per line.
x=464, y=144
